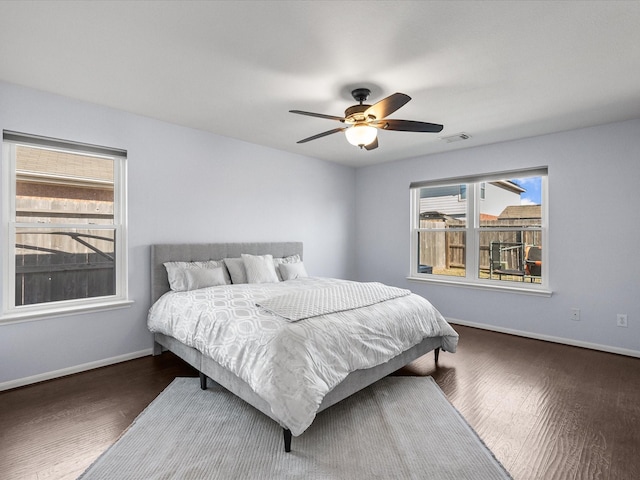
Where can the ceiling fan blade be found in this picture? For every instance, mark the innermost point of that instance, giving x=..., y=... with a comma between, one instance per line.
x=319, y=115
x=387, y=106
x=323, y=134
x=407, y=126
x=372, y=145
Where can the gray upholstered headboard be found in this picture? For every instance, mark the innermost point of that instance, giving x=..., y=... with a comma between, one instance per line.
x=192, y=252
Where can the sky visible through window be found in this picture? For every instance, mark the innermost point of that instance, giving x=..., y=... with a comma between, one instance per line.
x=533, y=187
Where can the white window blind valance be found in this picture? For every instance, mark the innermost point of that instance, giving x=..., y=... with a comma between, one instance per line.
x=505, y=175
x=35, y=140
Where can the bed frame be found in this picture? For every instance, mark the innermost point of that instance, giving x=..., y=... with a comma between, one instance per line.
x=209, y=368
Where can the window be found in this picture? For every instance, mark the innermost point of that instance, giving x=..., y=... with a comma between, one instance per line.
x=463, y=191
x=488, y=230
x=64, y=217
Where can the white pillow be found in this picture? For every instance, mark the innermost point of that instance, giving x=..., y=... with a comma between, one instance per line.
x=291, y=271
x=176, y=275
x=279, y=261
x=204, y=277
x=236, y=270
x=260, y=268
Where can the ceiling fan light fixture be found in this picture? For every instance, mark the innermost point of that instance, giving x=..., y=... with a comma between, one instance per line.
x=361, y=134
x=362, y=121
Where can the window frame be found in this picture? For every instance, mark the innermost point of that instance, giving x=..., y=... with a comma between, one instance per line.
x=473, y=230
x=11, y=312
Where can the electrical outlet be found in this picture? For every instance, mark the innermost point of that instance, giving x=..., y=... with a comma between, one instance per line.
x=575, y=314
x=622, y=320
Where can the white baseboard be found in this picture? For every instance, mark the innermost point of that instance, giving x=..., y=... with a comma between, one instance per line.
x=21, y=382
x=548, y=338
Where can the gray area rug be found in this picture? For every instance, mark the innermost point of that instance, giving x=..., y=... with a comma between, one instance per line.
x=398, y=428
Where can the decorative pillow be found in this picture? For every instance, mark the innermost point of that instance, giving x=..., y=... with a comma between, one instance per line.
x=204, y=277
x=279, y=261
x=176, y=276
x=236, y=270
x=291, y=271
x=260, y=268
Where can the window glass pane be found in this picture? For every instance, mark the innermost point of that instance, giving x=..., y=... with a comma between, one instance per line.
x=510, y=230
x=60, y=187
x=443, y=207
x=442, y=253
x=63, y=264
x=514, y=202
x=511, y=255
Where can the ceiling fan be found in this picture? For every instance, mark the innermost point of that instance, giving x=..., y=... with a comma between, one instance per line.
x=364, y=120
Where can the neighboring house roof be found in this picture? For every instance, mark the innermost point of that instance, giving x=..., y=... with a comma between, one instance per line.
x=521, y=211
x=509, y=185
x=50, y=166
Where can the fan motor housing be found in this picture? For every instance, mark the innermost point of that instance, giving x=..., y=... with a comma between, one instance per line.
x=356, y=113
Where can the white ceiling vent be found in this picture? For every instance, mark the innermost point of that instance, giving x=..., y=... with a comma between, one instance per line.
x=456, y=138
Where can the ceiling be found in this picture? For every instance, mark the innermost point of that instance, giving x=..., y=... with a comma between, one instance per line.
x=495, y=70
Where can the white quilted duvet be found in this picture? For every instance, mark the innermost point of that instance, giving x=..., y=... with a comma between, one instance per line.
x=322, y=301
x=292, y=366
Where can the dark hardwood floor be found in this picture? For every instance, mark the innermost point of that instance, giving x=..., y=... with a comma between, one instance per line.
x=56, y=429
x=547, y=411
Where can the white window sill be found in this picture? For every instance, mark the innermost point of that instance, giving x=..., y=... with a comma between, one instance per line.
x=28, y=314
x=511, y=288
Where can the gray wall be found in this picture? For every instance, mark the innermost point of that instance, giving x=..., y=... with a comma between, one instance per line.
x=183, y=185
x=594, y=194
x=188, y=185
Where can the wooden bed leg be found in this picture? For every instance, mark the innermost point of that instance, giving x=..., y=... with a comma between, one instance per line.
x=287, y=439
x=203, y=381
x=436, y=352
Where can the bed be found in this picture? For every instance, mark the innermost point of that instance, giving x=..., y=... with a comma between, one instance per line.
x=204, y=359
